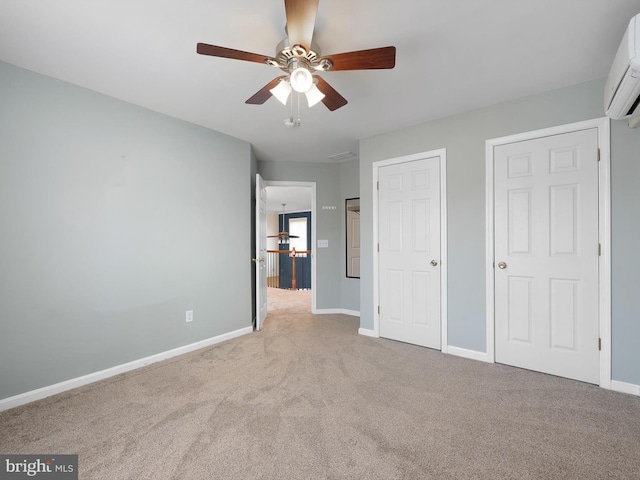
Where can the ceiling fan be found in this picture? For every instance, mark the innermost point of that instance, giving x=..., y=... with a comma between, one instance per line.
x=299, y=57
x=283, y=236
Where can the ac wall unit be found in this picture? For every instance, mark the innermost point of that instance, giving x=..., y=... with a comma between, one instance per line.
x=622, y=90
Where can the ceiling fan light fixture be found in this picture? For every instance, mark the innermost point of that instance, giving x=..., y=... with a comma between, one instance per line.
x=314, y=95
x=281, y=91
x=301, y=79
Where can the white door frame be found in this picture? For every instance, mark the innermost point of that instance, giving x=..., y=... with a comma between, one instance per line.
x=444, y=265
x=312, y=185
x=604, y=233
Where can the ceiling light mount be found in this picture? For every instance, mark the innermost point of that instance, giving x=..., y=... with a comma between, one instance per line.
x=291, y=122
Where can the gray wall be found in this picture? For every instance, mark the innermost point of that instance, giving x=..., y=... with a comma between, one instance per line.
x=625, y=252
x=464, y=138
x=329, y=223
x=115, y=221
x=349, y=188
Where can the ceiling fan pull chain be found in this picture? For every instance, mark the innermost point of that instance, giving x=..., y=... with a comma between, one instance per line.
x=291, y=108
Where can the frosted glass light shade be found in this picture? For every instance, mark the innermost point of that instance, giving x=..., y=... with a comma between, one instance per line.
x=314, y=95
x=281, y=91
x=301, y=80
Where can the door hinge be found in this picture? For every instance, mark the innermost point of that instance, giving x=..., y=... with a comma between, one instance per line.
x=378, y=248
x=599, y=341
x=378, y=185
x=599, y=249
x=598, y=154
x=378, y=309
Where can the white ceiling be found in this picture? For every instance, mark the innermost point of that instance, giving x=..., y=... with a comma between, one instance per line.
x=452, y=56
x=296, y=199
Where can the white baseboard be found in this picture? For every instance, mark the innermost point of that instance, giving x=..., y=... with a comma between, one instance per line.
x=368, y=333
x=625, y=387
x=471, y=354
x=339, y=311
x=33, y=395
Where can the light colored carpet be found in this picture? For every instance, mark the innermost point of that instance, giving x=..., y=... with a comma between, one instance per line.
x=288, y=302
x=309, y=398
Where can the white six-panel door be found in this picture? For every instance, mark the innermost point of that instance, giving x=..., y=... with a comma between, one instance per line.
x=546, y=254
x=409, y=255
x=353, y=242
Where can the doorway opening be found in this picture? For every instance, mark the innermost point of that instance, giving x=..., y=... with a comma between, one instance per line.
x=291, y=233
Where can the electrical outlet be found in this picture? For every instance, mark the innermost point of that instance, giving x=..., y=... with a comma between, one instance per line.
x=189, y=316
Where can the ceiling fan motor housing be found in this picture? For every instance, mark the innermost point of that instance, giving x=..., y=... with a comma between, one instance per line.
x=288, y=58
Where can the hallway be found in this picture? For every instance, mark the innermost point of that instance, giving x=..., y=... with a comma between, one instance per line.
x=284, y=302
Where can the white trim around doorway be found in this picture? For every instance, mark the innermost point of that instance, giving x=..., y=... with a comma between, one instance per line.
x=442, y=153
x=312, y=186
x=604, y=202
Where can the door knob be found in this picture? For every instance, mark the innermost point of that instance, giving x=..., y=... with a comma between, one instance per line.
x=254, y=260
x=502, y=265
x=434, y=263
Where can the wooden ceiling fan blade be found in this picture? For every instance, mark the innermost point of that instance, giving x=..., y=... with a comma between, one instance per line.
x=332, y=99
x=264, y=94
x=301, y=20
x=224, y=52
x=372, y=59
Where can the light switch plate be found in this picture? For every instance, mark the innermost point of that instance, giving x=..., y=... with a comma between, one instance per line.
x=323, y=243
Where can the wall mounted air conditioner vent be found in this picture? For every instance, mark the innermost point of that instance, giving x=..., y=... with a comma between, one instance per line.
x=622, y=90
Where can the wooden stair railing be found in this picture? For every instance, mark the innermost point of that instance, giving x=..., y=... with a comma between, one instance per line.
x=294, y=254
